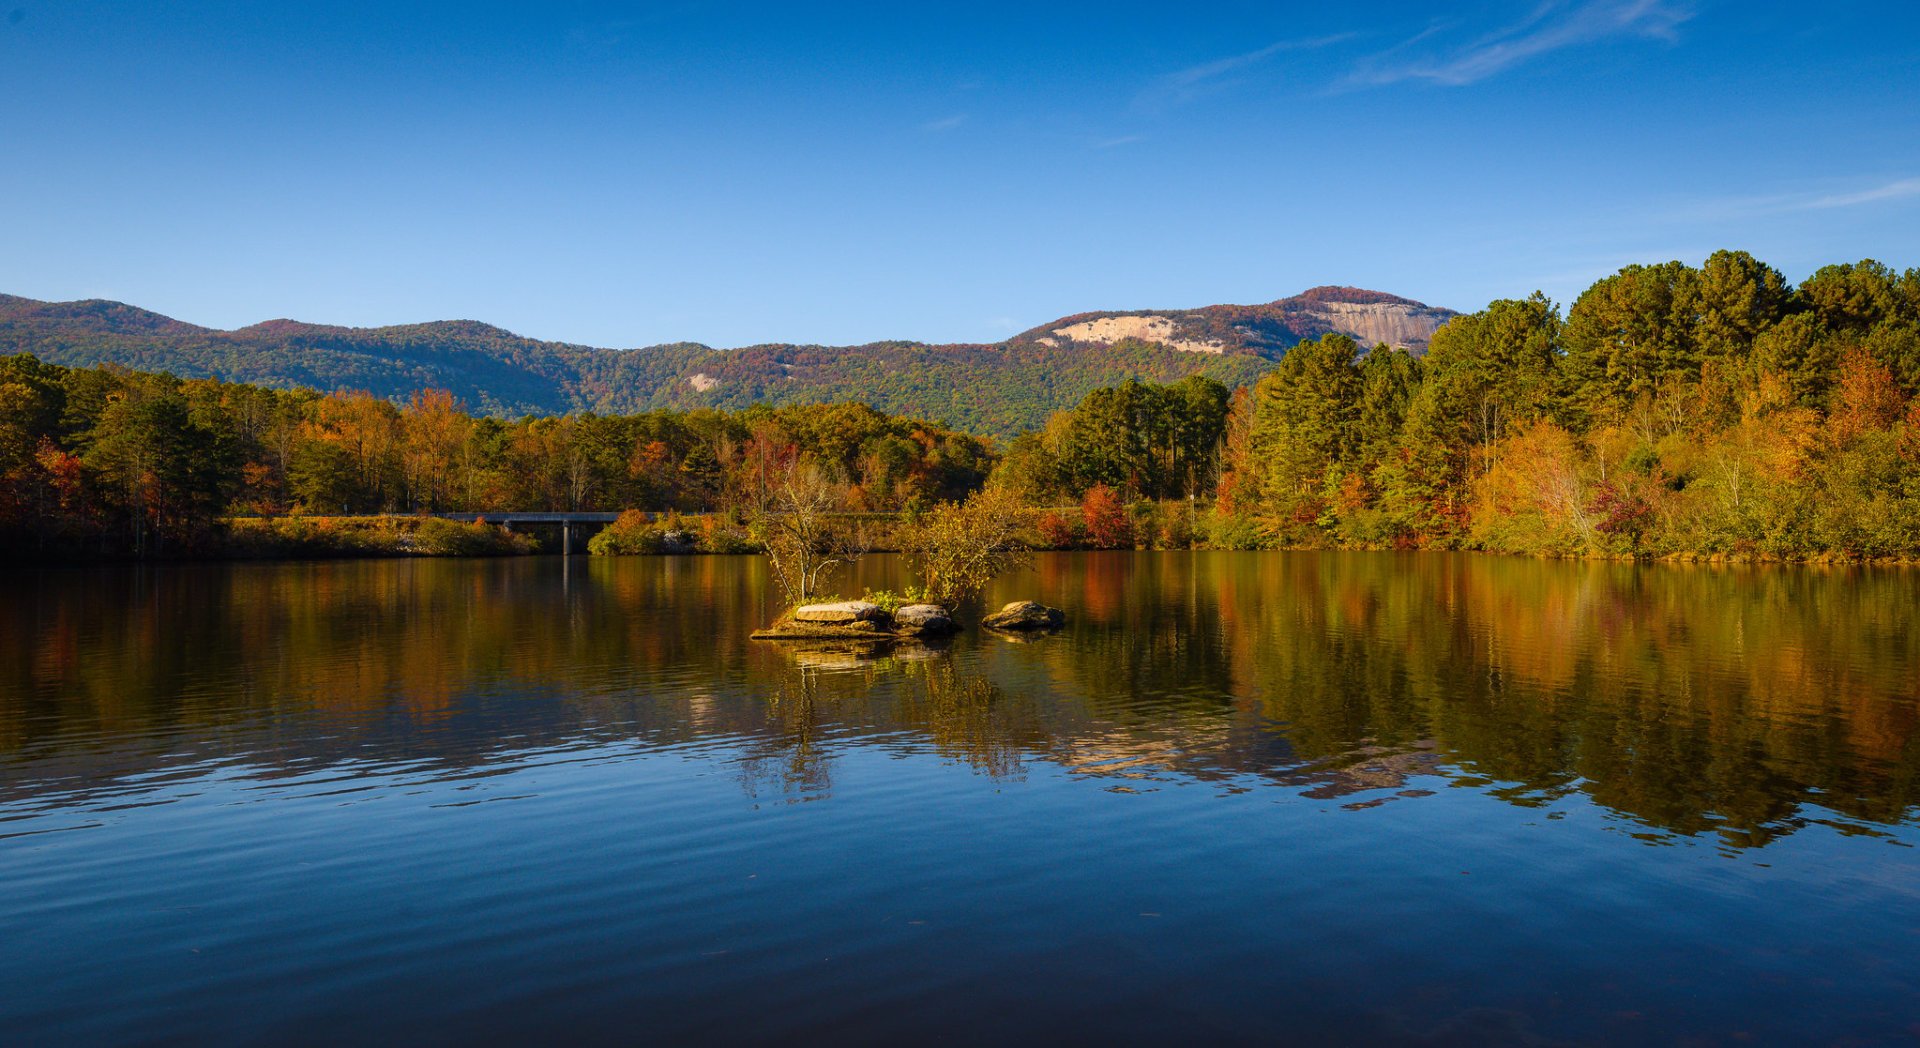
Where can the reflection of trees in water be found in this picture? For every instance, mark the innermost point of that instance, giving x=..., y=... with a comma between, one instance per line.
x=789, y=759
x=1145, y=644
x=971, y=719
x=1739, y=703
x=1689, y=700
x=893, y=688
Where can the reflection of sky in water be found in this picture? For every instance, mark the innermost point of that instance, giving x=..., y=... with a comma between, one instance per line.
x=1343, y=797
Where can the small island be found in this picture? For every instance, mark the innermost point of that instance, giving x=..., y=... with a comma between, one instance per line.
x=859, y=620
x=953, y=549
x=866, y=620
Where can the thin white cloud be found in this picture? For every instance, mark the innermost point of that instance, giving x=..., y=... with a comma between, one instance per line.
x=1183, y=86
x=945, y=123
x=1896, y=190
x=1731, y=208
x=1552, y=26
x=1120, y=140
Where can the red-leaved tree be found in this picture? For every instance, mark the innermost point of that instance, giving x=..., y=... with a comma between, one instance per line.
x=1106, y=519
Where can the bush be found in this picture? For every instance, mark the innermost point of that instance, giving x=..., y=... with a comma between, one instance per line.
x=1222, y=530
x=445, y=538
x=1106, y=519
x=1057, y=532
x=1176, y=527
x=956, y=548
x=370, y=537
x=633, y=534
x=717, y=536
x=891, y=602
x=307, y=537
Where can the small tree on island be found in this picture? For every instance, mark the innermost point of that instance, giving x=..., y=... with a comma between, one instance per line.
x=804, y=544
x=956, y=548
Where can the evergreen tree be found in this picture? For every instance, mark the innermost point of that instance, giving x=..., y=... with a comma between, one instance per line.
x=1306, y=423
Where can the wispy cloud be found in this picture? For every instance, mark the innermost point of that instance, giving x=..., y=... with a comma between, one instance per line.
x=1178, y=88
x=945, y=123
x=1552, y=26
x=1895, y=190
x=1731, y=208
x=1118, y=141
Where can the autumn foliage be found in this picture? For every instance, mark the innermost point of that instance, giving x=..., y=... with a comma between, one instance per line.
x=1672, y=410
x=1105, y=519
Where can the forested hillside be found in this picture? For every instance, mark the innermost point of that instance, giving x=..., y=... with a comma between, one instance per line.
x=1673, y=409
x=997, y=389
x=103, y=461
x=494, y=371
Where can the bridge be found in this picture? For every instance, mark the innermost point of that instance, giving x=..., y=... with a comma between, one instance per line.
x=508, y=520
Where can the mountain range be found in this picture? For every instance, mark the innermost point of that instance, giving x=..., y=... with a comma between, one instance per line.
x=1000, y=388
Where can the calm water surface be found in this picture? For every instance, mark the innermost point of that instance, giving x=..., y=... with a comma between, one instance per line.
x=1244, y=797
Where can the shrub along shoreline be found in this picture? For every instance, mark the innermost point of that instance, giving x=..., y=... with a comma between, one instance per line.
x=301, y=537
x=639, y=533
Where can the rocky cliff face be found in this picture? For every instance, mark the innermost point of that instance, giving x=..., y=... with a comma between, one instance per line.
x=1149, y=328
x=1267, y=330
x=1403, y=325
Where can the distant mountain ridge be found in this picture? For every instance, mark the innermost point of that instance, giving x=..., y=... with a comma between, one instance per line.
x=998, y=389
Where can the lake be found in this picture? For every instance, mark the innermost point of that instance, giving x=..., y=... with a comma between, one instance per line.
x=1243, y=797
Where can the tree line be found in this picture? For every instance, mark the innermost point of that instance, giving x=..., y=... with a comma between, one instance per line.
x=110, y=461
x=1672, y=409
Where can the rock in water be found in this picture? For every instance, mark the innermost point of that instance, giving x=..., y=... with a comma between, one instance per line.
x=924, y=618
x=1025, y=615
x=844, y=612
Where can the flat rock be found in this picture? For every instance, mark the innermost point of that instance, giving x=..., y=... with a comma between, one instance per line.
x=842, y=612
x=924, y=618
x=1023, y=615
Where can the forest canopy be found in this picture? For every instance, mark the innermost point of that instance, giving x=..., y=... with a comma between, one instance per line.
x=1671, y=409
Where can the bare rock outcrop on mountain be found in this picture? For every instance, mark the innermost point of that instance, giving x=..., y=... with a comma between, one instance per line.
x=1267, y=330
x=1150, y=328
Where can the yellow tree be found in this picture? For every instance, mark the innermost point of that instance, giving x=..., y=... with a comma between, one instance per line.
x=433, y=429
x=1537, y=497
x=367, y=429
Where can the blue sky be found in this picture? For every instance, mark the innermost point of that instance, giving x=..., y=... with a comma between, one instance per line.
x=626, y=174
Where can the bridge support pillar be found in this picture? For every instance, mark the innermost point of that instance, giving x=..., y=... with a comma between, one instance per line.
x=566, y=539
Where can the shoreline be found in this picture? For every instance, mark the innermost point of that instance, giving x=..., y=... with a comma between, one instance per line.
x=321, y=553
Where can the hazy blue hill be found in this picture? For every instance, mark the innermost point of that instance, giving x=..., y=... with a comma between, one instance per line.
x=995, y=389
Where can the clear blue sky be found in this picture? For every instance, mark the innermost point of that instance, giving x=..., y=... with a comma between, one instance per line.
x=625, y=174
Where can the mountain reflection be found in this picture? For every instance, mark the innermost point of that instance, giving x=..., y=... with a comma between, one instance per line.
x=1738, y=703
